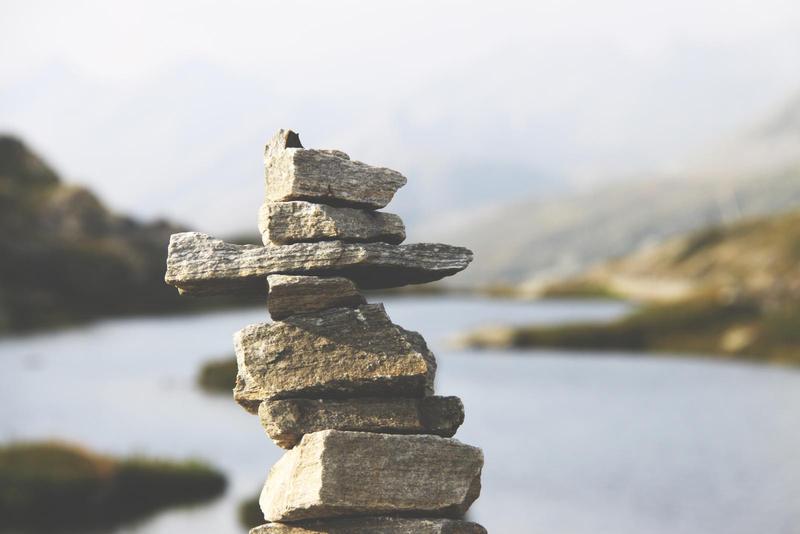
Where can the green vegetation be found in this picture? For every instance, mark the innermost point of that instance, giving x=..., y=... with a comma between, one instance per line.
x=218, y=376
x=66, y=258
x=54, y=484
x=697, y=326
x=250, y=514
x=584, y=289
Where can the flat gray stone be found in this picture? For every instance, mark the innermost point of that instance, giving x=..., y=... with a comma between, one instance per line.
x=373, y=525
x=327, y=176
x=292, y=294
x=284, y=223
x=336, y=353
x=286, y=421
x=198, y=264
x=334, y=473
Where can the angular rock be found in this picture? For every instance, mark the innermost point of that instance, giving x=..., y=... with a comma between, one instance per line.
x=333, y=473
x=290, y=294
x=286, y=421
x=340, y=352
x=198, y=264
x=284, y=223
x=327, y=176
x=373, y=525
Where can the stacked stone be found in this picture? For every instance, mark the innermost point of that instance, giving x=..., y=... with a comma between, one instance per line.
x=332, y=379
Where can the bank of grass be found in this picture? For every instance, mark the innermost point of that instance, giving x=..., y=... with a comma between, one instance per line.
x=702, y=325
x=52, y=484
x=250, y=514
x=218, y=376
x=583, y=289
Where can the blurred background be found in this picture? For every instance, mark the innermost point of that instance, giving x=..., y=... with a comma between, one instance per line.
x=627, y=173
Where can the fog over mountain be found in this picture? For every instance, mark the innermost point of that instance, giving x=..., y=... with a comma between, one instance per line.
x=163, y=108
x=189, y=143
x=757, y=172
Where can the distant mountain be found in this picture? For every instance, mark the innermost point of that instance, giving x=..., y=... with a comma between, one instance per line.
x=65, y=257
x=757, y=173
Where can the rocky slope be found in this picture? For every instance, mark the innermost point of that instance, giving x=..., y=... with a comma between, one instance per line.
x=66, y=257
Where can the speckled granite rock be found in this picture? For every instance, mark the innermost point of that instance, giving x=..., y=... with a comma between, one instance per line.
x=341, y=352
x=198, y=264
x=334, y=473
x=286, y=421
x=284, y=223
x=290, y=294
x=327, y=176
x=373, y=525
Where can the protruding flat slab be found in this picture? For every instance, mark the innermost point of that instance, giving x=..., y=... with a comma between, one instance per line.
x=340, y=352
x=334, y=473
x=292, y=294
x=327, y=176
x=286, y=421
x=198, y=264
x=284, y=223
x=373, y=525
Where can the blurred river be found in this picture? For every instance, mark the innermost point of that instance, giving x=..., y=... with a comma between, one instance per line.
x=573, y=444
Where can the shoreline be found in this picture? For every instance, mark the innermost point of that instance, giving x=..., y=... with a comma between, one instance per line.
x=739, y=330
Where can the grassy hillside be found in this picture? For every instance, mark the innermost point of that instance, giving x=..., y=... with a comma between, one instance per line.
x=731, y=291
x=758, y=259
x=66, y=257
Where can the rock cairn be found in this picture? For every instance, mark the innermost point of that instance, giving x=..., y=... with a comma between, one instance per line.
x=332, y=379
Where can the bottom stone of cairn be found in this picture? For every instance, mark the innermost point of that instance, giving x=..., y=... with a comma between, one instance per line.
x=334, y=473
x=373, y=525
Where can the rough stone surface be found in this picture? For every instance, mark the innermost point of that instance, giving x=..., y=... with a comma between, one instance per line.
x=341, y=352
x=373, y=525
x=201, y=265
x=328, y=176
x=284, y=223
x=286, y=421
x=291, y=294
x=333, y=473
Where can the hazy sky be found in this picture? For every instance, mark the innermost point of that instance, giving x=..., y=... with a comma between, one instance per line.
x=163, y=107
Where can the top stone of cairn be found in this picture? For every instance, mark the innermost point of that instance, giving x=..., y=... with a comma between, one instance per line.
x=324, y=176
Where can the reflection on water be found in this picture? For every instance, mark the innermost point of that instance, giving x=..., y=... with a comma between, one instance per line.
x=573, y=444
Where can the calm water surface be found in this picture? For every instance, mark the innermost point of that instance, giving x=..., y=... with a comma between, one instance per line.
x=573, y=444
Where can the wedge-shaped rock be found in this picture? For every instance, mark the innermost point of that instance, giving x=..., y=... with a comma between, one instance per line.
x=286, y=421
x=328, y=176
x=334, y=473
x=373, y=525
x=341, y=352
x=291, y=294
x=198, y=264
x=284, y=223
